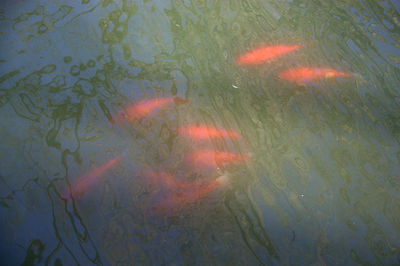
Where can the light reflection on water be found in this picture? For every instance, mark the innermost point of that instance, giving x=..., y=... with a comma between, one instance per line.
x=322, y=185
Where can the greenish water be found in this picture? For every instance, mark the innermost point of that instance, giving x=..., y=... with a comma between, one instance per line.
x=323, y=183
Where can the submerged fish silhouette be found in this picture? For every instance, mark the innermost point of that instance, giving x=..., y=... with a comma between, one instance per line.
x=303, y=75
x=84, y=183
x=181, y=198
x=210, y=158
x=264, y=54
x=205, y=132
x=145, y=108
x=166, y=180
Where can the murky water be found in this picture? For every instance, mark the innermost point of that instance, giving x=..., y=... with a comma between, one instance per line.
x=321, y=187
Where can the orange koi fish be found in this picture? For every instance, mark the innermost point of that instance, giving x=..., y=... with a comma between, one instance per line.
x=145, y=108
x=183, y=198
x=305, y=74
x=210, y=158
x=79, y=187
x=204, y=132
x=263, y=54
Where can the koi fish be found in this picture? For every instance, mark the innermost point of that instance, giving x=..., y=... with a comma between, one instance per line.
x=186, y=197
x=305, y=74
x=210, y=158
x=204, y=132
x=79, y=187
x=145, y=108
x=263, y=54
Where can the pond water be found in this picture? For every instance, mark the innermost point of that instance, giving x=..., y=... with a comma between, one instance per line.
x=316, y=180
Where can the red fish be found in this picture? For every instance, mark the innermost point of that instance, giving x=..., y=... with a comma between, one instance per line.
x=79, y=187
x=305, y=74
x=210, y=158
x=180, y=199
x=204, y=132
x=263, y=54
x=145, y=108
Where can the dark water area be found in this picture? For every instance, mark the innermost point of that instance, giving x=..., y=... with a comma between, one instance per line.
x=315, y=180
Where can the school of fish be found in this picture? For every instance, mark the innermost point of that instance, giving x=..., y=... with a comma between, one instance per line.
x=177, y=193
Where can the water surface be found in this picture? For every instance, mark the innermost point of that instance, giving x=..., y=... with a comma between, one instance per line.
x=322, y=186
